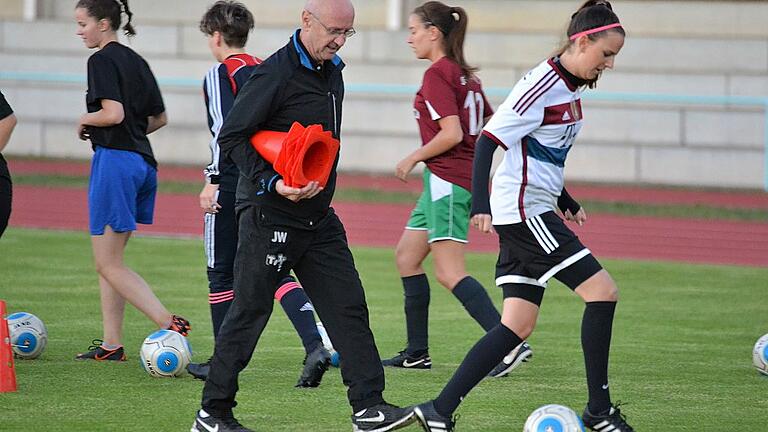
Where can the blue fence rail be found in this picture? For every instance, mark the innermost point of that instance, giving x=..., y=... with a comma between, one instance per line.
x=646, y=98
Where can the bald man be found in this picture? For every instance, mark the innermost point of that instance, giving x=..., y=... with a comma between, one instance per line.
x=283, y=228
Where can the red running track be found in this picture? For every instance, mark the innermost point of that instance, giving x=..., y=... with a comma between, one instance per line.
x=610, y=236
x=584, y=192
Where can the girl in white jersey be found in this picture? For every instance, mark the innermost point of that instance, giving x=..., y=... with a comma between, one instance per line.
x=450, y=110
x=536, y=126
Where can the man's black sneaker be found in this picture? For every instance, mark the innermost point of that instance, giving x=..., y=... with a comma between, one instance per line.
x=205, y=422
x=431, y=420
x=405, y=360
x=609, y=420
x=382, y=417
x=199, y=370
x=315, y=365
x=522, y=353
x=97, y=352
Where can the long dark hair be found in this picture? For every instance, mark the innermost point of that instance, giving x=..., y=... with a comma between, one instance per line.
x=591, y=15
x=452, y=22
x=110, y=10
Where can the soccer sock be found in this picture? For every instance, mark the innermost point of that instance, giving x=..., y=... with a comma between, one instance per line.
x=596, y=327
x=480, y=360
x=475, y=299
x=110, y=347
x=299, y=310
x=219, y=303
x=416, y=291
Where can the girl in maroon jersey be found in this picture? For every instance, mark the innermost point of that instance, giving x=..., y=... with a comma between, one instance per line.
x=450, y=109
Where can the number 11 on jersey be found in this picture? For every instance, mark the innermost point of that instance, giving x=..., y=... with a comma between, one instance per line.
x=475, y=104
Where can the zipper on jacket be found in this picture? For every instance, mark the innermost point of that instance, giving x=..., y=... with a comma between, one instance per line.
x=335, y=122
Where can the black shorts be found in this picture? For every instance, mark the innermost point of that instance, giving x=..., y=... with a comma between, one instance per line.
x=537, y=249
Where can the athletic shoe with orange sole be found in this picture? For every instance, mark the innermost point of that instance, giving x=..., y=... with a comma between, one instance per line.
x=97, y=352
x=180, y=325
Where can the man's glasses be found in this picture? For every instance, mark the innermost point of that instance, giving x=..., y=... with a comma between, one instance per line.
x=348, y=33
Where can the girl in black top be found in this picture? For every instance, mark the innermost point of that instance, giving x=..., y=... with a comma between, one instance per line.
x=7, y=123
x=124, y=106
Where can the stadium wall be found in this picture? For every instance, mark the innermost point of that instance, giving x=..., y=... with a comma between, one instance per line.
x=714, y=53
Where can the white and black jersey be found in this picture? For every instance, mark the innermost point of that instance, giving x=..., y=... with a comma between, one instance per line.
x=536, y=125
x=220, y=87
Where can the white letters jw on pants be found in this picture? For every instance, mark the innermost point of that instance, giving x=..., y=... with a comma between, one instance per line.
x=279, y=237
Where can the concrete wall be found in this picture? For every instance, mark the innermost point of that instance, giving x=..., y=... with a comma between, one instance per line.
x=11, y=9
x=704, y=48
x=370, y=13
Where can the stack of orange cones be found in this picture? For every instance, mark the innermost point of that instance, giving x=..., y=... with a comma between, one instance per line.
x=7, y=372
x=300, y=155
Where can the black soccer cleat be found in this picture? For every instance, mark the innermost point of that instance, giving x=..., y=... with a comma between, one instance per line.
x=522, y=353
x=97, y=352
x=406, y=361
x=382, y=417
x=315, y=365
x=200, y=370
x=180, y=325
x=609, y=420
x=431, y=420
x=205, y=422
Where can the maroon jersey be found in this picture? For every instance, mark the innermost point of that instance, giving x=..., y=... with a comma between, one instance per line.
x=446, y=91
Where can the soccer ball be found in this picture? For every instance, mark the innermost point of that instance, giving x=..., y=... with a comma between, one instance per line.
x=760, y=355
x=553, y=418
x=335, y=359
x=28, y=335
x=165, y=353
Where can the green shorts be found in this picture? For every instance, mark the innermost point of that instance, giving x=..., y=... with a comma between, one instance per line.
x=442, y=210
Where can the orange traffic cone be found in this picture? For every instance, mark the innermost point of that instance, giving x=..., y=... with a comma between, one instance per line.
x=7, y=373
x=300, y=155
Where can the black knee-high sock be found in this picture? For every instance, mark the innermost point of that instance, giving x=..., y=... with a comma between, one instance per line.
x=416, y=291
x=475, y=299
x=596, y=328
x=219, y=310
x=220, y=296
x=299, y=310
x=480, y=360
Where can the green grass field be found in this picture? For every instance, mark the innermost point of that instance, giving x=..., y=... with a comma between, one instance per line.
x=681, y=356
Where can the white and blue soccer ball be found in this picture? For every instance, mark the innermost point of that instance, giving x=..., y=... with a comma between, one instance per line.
x=760, y=355
x=553, y=418
x=335, y=359
x=165, y=353
x=28, y=335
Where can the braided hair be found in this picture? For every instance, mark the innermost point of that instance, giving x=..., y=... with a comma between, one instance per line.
x=110, y=10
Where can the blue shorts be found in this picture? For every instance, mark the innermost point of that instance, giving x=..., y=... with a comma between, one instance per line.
x=121, y=192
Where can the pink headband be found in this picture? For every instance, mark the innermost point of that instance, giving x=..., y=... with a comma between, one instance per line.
x=595, y=30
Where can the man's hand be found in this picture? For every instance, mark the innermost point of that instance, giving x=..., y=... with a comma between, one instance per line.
x=580, y=217
x=208, y=198
x=296, y=194
x=482, y=222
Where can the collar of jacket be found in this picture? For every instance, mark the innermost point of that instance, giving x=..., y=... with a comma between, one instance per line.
x=304, y=58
